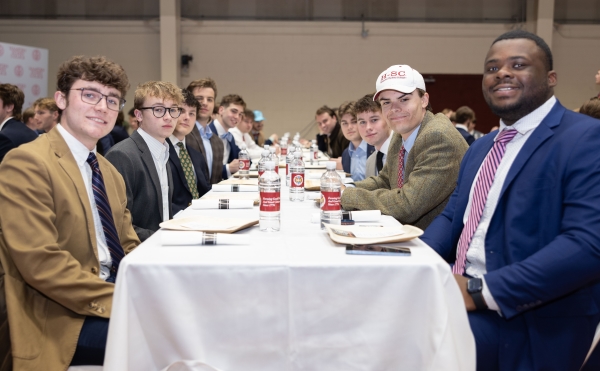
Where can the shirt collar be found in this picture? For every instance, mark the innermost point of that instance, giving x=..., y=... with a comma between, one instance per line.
x=362, y=147
x=174, y=140
x=219, y=127
x=532, y=120
x=461, y=126
x=408, y=144
x=157, y=149
x=205, y=132
x=79, y=151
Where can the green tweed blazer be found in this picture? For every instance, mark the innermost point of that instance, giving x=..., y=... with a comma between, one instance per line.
x=430, y=175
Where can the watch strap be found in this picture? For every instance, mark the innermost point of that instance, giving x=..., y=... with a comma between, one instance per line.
x=478, y=300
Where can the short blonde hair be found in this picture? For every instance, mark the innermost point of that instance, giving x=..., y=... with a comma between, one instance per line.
x=159, y=89
x=46, y=103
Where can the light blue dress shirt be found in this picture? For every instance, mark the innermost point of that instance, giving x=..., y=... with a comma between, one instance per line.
x=205, y=134
x=358, y=160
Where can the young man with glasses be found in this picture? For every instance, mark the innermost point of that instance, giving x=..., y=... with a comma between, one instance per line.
x=64, y=226
x=142, y=158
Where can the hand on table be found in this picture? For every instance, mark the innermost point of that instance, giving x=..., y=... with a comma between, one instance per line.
x=234, y=166
x=462, y=284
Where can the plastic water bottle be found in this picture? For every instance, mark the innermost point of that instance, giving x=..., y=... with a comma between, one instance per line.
x=273, y=157
x=297, y=178
x=269, y=185
x=284, y=146
x=261, y=163
x=331, y=205
x=314, y=152
x=244, y=172
x=288, y=160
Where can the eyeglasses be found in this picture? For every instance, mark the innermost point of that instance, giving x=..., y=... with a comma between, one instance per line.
x=160, y=111
x=93, y=97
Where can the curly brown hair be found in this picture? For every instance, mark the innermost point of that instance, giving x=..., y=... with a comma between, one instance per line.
x=203, y=83
x=325, y=109
x=232, y=99
x=347, y=108
x=96, y=68
x=11, y=94
x=367, y=104
x=591, y=108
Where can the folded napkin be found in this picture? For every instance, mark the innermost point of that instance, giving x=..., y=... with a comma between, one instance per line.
x=222, y=204
x=180, y=238
x=234, y=188
x=362, y=216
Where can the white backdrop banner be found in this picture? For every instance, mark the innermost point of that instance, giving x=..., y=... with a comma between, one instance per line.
x=25, y=67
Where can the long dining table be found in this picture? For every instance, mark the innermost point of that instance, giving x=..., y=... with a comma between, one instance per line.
x=288, y=300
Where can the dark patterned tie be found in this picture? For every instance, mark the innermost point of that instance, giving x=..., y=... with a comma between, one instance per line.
x=379, y=161
x=401, y=167
x=480, y=193
x=186, y=164
x=106, y=217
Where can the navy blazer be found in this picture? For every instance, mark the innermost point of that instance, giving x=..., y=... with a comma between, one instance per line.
x=234, y=149
x=542, y=246
x=13, y=134
x=182, y=196
x=468, y=137
x=346, y=160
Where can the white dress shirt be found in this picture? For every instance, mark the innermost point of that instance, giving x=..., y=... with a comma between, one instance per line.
x=226, y=146
x=254, y=150
x=160, y=155
x=81, y=153
x=475, y=264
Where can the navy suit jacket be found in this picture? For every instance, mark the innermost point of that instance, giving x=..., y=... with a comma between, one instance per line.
x=13, y=134
x=468, y=137
x=182, y=196
x=542, y=247
x=234, y=149
x=346, y=160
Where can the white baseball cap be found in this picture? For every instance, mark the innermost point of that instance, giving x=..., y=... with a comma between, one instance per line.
x=401, y=77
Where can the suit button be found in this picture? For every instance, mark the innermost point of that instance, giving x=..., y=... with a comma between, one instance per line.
x=93, y=305
x=94, y=270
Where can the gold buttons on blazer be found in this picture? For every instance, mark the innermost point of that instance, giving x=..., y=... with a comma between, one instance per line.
x=94, y=270
x=93, y=305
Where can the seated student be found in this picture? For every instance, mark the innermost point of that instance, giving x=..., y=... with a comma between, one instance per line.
x=133, y=122
x=241, y=135
x=423, y=158
x=64, y=226
x=231, y=108
x=257, y=127
x=464, y=117
x=201, y=137
x=142, y=158
x=119, y=133
x=46, y=113
x=30, y=121
x=330, y=139
x=13, y=132
x=354, y=158
x=187, y=165
x=374, y=130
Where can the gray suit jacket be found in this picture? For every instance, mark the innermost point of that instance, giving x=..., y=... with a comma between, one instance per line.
x=133, y=160
x=430, y=175
x=194, y=140
x=371, y=166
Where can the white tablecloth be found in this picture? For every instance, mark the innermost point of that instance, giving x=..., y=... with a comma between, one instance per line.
x=292, y=300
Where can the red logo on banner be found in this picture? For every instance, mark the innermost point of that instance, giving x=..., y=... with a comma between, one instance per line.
x=3, y=68
x=36, y=72
x=19, y=70
x=35, y=89
x=1, y=50
x=36, y=55
x=17, y=53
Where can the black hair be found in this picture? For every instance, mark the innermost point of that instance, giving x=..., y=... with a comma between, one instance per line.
x=522, y=34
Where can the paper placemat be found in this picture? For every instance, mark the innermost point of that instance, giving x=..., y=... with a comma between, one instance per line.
x=410, y=232
x=233, y=196
x=209, y=224
x=232, y=180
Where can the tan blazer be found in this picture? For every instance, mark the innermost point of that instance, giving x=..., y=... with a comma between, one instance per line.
x=430, y=175
x=48, y=250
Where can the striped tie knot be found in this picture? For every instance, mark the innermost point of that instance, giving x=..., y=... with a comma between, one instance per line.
x=506, y=136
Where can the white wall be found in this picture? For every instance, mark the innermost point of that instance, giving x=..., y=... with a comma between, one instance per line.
x=289, y=69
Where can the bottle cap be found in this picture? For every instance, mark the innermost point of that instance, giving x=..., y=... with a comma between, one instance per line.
x=243, y=146
x=269, y=165
x=330, y=165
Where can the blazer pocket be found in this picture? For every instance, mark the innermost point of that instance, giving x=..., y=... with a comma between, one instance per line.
x=27, y=321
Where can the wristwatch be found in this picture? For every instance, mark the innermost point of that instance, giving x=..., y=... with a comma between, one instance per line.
x=474, y=288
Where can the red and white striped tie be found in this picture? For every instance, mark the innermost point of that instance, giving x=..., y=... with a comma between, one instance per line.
x=480, y=193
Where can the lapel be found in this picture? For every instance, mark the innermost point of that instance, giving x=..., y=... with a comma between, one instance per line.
x=540, y=134
x=71, y=169
x=194, y=135
x=177, y=163
x=150, y=167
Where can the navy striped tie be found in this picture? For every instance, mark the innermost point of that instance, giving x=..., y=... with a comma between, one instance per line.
x=106, y=217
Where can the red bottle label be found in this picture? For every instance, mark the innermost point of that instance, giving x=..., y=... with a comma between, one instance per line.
x=244, y=164
x=270, y=201
x=260, y=172
x=276, y=169
x=315, y=155
x=297, y=180
x=287, y=169
x=283, y=151
x=330, y=201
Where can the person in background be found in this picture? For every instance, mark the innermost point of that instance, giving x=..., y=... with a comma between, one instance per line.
x=64, y=227
x=47, y=113
x=13, y=132
x=475, y=133
x=598, y=80
x=241, y=134
x=354, y=158
x=30, y=121
x=374, y=130
x=133, y=122
x=522, y=228
x=423, y=158
x=464, y=116
x=119, y=133
x=231, y=109
x=257, y=127
x=330, y=139
x=591, y=108
x=187, y=165
x=142, y=158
